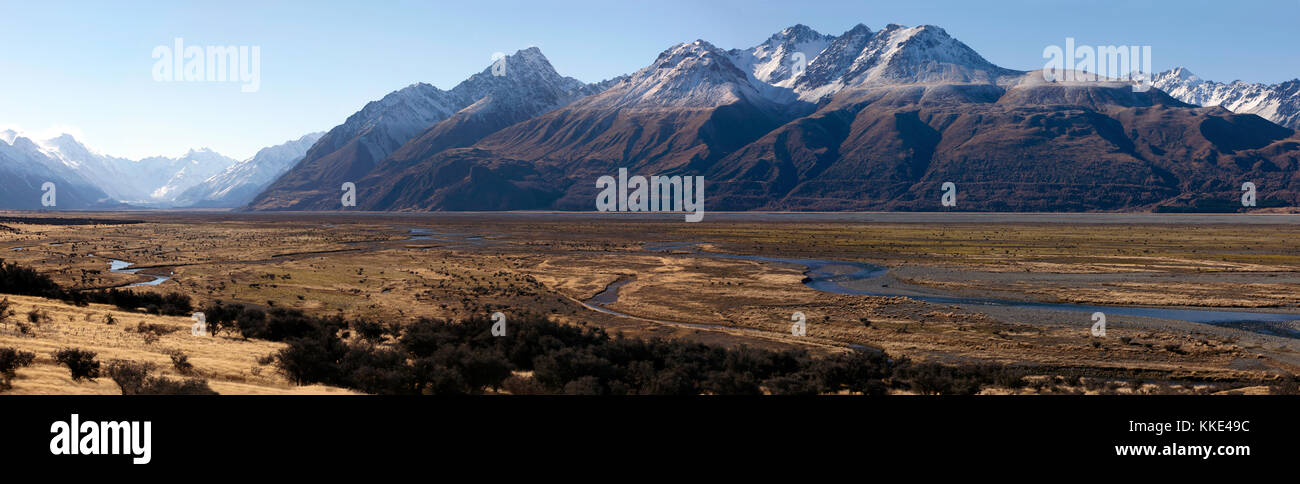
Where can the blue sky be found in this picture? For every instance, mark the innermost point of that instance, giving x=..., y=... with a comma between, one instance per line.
x=86, y=67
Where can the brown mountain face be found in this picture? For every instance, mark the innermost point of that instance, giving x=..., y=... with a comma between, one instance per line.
x=408, y=125
x=301, y=189
x=1032, y=146
x=351, y=150
x=524, y=94
x=553, y=160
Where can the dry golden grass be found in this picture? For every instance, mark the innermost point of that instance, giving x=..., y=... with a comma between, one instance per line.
x=230, y=365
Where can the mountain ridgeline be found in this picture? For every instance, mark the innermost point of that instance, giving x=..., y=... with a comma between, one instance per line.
x=872, y=120
x=1279, y=103
x=864, y=120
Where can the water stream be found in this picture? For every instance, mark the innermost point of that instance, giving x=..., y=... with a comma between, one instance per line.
x=834, y=277
x=120, y=267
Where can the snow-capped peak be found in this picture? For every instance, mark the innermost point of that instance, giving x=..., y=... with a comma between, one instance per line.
x=417, y=100
x=240, y=182
x=1279, y=103
x=799, y=33
x=523, y=77
x=145, y=181
x=919, y=54
x=692, y=74
x=777, y=61
x=382, y=126
x=895, y=55
x=62, y=142
x=68, y=150
x=187, y=171
x=831, y=63
x=1182, y=74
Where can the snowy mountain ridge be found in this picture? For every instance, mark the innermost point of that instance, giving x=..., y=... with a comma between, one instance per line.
x=860, y=57
x=239, y=183
x=1279, y=103
x=153, y=181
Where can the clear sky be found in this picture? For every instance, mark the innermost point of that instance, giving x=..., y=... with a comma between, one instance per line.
x=86, y=68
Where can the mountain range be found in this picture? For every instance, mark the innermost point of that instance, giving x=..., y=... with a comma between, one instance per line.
x=1279, y=103
x=87, y=179
x=239, y=183
x=418, y=121
x=875, y=121
x=864, y=120
x=25, y=168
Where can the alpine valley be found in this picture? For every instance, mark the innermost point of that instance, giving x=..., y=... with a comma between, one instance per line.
x=87, y=179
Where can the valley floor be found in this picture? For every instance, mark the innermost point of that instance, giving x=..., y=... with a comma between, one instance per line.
x=672, y=284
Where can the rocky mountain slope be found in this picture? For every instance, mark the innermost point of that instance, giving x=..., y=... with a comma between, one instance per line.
x=1028, y=146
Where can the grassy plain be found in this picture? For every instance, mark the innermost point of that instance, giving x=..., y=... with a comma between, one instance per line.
x=454, y=265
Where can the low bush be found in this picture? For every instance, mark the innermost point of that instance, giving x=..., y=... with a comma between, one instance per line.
x=24, y=281
x=80, y=363
x=445, y=357
x=181, y=362
x=11, y=359
x=133, y=379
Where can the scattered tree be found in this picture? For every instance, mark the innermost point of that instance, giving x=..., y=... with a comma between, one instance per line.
x=11, y=359
x=80, y=363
